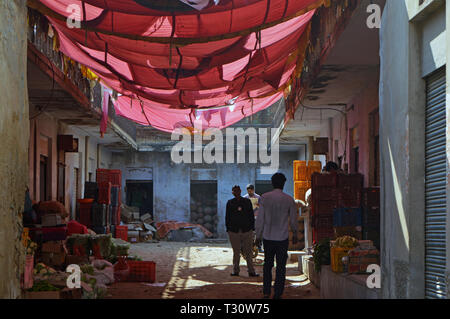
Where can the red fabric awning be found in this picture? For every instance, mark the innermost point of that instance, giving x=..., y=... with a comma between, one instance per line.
x=169, y=59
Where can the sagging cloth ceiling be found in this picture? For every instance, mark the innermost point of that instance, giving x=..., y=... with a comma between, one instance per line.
x=174, y=62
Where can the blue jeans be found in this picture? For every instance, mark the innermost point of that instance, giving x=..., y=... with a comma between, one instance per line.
x=272, y=250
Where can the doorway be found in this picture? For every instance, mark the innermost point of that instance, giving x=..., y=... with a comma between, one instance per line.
x=140, y=194
x=262, y=187
x=43, y=179
x=204, y=205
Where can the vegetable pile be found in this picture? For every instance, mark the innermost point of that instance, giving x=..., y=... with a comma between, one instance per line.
x=346, y=242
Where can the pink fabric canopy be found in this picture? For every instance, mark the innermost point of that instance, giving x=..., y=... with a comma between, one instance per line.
x=175, y=61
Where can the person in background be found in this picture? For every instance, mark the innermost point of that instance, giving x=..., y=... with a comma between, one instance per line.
x=305, y=207
x=240, y=226
x=276, y=210
x=254, y=198
x=29, y=215
x=331, y=167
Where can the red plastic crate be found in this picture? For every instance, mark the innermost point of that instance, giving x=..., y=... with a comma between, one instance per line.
x=85, y=214
x=323, y=233
x=349, y=203
x=327, y=180
x=323, y=222
x=325, y=193
x=104, y=193
x=115, y=215
x=350, y=180
x=324, y=207
x=350, y=193
x=371, y=197
x=142, y=271
x=113, y=176
x=122, y=232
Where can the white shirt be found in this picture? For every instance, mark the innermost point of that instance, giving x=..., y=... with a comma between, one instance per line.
x=255, y=196
x=276, y=210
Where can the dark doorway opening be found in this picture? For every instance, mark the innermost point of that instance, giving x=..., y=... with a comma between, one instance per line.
x=140, y=194
x=204, y=205
x=61, y=183
x=263, y=187
x=43, y=178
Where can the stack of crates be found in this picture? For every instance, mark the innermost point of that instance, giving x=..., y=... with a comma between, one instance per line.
x=350, y=187
x=324, y=202
x=84, y=215
x=348, y=216
x=371, y=215
x=302, y=177
x=336, y=207
x=347, y=222
x=109, y=183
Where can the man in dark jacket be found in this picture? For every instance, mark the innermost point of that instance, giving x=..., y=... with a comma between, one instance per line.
x=240, y=225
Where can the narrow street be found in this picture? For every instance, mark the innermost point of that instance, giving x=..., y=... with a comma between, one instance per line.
x=150, y=138
x=202, y=271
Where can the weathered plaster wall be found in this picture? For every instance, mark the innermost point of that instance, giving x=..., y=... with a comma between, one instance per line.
x=171, y=182
x=43, y=141
x=45, y=127
x=78, y=160
x=14, y=136
x=433, y=44
x=404, y=62
x=365, y=102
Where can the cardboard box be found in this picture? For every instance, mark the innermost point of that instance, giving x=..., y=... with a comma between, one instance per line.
x=133, y=236
x=147, y=218
x=53, y=247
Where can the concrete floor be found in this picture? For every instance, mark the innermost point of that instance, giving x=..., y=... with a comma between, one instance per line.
x=202, y=271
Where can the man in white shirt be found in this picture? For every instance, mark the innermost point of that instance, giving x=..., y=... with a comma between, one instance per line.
x=254, y=198
x=276, y=210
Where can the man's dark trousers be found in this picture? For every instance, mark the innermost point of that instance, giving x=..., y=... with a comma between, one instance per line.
x=272, y=250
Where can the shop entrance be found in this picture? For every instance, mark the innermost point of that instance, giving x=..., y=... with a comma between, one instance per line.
x=204, y=204
x=140, y=194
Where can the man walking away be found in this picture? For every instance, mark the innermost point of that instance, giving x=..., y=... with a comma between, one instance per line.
x=276, y=210
x=254, y=198
x=240, y=225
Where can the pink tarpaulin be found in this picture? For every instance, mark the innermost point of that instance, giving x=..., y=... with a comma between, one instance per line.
x=169, y=58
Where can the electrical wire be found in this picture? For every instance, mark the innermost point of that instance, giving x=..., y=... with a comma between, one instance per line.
x=344, y=113
x=323, y=108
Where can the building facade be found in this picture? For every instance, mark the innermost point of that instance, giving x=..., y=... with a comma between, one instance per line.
x=414, y=143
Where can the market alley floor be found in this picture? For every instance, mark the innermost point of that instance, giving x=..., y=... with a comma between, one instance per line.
x=202, y=271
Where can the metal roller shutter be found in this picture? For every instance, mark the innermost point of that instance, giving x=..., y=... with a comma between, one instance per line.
x=435, y=187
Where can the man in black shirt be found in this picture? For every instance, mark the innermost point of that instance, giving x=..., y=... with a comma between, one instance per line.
x=240, y=224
